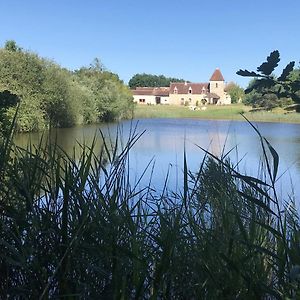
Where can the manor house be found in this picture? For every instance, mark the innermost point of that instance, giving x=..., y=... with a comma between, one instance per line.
x=186, y=93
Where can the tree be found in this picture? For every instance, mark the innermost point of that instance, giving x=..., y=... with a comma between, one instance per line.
x=287, y=85
x=148, y=80
x=113, y=102
x=11, y=45
x=59, y=103
x=51, y=95
x=235, y=91
x=108, y=95
x=265, y=98
x=22, y=73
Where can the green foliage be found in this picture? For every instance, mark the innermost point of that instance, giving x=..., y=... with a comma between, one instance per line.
x=236, y=93
x=78, y=228
x=53, y=96
x=112, y=99
x=22, y=74
x=11, y=45
x=148, y=80
x=286, y=86
x=61, y=106
x=265, y=98
x=7, y=100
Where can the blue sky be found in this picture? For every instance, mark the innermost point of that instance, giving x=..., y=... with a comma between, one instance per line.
x=184, y=39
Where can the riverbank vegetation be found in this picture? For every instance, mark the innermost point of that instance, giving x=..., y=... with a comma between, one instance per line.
x=79, y=228
x=52, y=96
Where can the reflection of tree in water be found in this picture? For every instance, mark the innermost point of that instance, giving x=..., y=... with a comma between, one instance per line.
x=70, y=140
x=217, y=142
x=165, y=140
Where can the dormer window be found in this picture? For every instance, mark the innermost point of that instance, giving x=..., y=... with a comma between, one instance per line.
x=175, y=90
x=190, y=90
x=203, y=90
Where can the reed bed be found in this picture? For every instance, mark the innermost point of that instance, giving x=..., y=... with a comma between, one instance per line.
x=79, y=229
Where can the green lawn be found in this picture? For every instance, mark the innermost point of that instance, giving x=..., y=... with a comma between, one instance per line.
x=229, y=112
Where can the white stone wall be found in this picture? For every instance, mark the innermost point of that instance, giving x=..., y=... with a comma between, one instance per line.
x=149, y=99
x=217, y=87
x=165, y=100
x=189, y=99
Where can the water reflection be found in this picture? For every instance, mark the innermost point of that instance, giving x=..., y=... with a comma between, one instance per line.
x=165, y=140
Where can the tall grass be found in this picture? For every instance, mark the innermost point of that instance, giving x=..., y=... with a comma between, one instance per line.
x=79, y=229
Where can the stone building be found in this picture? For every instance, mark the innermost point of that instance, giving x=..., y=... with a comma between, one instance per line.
x=186, y=93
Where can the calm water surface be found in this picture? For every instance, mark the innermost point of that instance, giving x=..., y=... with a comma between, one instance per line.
x=165, y=139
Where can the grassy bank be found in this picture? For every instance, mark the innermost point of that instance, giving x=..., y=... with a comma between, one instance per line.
x=230, y=112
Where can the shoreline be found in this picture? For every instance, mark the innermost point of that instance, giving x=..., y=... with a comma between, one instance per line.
x=231, y=112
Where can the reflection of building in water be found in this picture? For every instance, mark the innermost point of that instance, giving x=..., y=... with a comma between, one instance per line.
x=218, y=140
x=172, y=140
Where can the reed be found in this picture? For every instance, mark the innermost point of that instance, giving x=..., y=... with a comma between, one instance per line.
x=77, y=228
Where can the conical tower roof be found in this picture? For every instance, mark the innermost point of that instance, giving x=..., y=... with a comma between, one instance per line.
x=217, y=76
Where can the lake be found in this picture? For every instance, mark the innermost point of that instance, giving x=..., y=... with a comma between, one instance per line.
x=165, y=139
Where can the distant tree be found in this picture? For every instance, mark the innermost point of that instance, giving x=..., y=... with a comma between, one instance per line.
x=236, y=93
x=11, y=45
x=283, y=88
x=97, y=65
x=148, y=80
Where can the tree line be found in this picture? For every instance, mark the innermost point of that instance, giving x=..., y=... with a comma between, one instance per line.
x=52, y=96
x=149, y=80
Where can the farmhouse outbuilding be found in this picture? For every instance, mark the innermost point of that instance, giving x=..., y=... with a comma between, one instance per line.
x=186, y=93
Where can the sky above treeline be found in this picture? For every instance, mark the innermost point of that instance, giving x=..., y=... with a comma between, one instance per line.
x=183, y=39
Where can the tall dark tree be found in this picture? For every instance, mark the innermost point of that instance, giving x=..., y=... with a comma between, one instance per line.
x=284, y=86
x=7, y=100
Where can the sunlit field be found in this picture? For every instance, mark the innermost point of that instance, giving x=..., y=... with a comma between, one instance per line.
x=230, y=112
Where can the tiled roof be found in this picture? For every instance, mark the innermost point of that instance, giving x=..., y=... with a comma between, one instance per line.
x=161, y=91
x=142, y=92
x=183, y=88
x=217, y=76
x=156, y=91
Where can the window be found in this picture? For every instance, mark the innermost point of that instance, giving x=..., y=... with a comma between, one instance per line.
x=190, y=90
x=142, y=100
x=216, y=85
x=190, y=99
